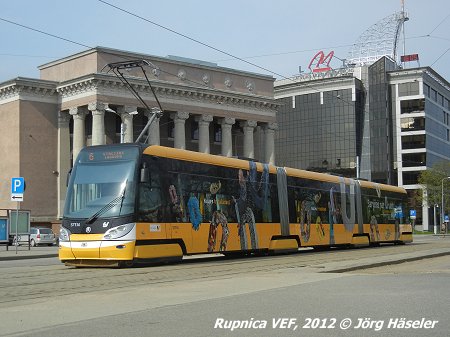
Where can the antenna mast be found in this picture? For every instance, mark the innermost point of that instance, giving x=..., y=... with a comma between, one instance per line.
x=403, y=29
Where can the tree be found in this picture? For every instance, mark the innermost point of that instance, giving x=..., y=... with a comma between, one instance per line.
x=431, y=180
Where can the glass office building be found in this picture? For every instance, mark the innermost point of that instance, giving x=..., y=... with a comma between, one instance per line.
x=389, y=124
x=321, y=130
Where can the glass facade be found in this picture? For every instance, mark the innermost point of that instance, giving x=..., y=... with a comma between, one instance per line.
x=412, y=106
x=321, y=131
x=381, y=135
x=408, y=89
x=414, y=159
x=436, y=129
x=412, y=124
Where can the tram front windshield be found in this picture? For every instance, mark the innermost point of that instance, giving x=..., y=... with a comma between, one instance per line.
x=101, y=189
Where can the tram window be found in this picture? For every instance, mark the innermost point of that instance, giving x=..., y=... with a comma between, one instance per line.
x=292, y=204
x=386, y=208
x=212, y=193
x=315, y=200
x=214, y=188
x=335, y=206
x=150, y=200
x=273, y=205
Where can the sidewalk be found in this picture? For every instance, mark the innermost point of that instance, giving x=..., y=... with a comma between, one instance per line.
x=365, y=263
x=24, y=253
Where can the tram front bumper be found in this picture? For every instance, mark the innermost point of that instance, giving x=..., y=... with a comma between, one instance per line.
x=96, y=250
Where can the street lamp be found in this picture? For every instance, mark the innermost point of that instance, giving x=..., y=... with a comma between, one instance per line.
x=122, y=125
x=442, y=210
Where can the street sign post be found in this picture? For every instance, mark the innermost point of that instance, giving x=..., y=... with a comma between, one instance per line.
x=17, y=190
x=412, y=216
x=445, y=224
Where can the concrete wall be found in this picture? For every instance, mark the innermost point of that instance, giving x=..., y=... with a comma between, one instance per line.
x=71, y=67
x=9, y=150
x=38, y=157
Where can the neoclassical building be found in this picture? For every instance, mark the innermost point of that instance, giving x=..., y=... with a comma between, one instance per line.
x=76, y=102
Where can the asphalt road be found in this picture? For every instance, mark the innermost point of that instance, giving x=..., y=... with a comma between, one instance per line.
x=190, y=299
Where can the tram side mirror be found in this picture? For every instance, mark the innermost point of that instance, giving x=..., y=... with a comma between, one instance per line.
x=145, y=174
x=68, y=177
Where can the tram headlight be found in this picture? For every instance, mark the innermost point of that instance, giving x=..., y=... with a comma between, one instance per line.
x=118, y=232
x=64, y=235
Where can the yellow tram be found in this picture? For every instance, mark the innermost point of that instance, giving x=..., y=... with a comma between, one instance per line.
x=129, y=203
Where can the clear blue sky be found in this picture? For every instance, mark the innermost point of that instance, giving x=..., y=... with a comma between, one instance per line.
x=277, y=35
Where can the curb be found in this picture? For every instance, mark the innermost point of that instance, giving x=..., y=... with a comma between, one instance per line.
x=26, y=257
x=385, y=263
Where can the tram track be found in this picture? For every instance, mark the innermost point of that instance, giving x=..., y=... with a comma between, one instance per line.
x=39, y=283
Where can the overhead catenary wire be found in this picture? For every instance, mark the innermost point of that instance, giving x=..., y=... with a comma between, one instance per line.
x=45, y=33
x=204, y=44
x=84, y=45
x=243, y=59
x=318, y=48
x=180, y=34
x=437, y=26
x=440, y=56
x=229, y=59
x=89, y=47
x=194, y=40
x=190, y=38
x=197, y=41
x=440, y=23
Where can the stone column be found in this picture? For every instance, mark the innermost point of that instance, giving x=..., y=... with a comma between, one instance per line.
x=153, y=130
x=203, y=133
x=98, y=122
x=179, y=119
x=63, y=165
x=248, y=127
x=126, y=115
x=79, y=133
x=269, y=142
x=227, y=141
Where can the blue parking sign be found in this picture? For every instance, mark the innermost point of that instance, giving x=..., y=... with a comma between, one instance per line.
x=17, y=189
x=17, y=185
x=412, y=213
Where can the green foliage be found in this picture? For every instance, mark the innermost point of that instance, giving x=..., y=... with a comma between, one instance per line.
x=432, y=179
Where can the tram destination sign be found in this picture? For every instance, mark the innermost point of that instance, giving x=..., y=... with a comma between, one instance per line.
x=102, y=154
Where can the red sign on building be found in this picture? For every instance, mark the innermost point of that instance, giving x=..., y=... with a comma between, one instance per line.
x=409, y=58
x=321, y=62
